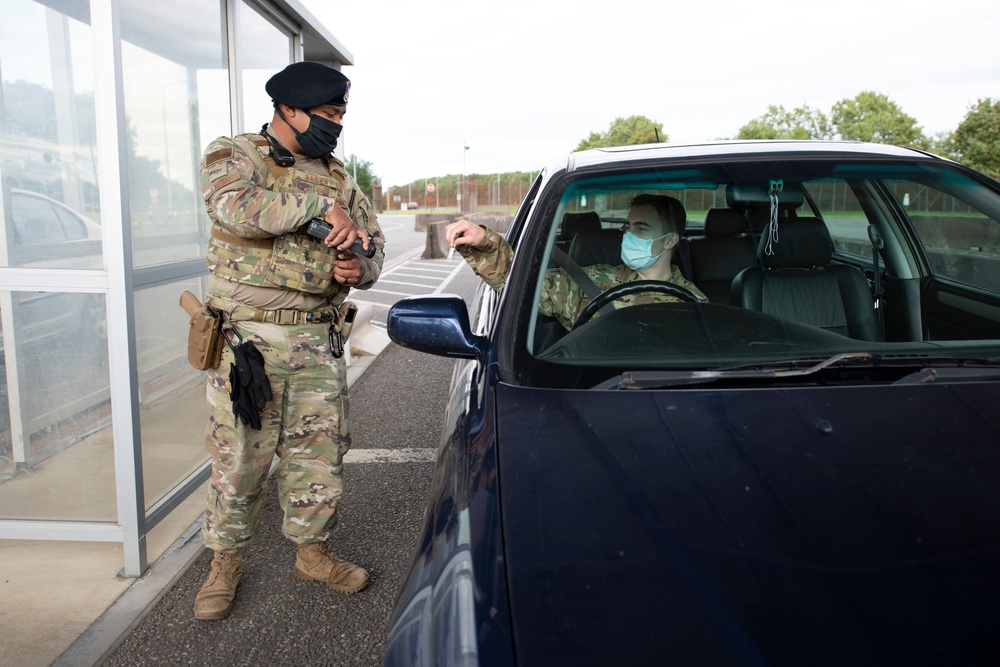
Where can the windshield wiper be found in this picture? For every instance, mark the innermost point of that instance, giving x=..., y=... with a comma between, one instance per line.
x=955, y=373
x=795, y=367
x=755, y=371
x=868, y=359
x=929, y=369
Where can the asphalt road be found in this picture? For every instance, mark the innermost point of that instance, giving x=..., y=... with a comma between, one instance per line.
x=398, y=404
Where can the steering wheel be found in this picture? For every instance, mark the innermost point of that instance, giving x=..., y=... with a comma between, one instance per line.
x=618, y=291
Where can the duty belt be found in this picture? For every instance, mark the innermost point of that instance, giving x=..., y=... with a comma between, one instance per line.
x=288, y=317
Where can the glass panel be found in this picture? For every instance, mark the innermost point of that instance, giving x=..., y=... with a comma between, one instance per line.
x=961, y=242
x=56, y=454
x=264, y=50
x=842, y=212
x=786, y=308
x=67, y=437
x=174, y=410
x=48, y=158
x=176, y=101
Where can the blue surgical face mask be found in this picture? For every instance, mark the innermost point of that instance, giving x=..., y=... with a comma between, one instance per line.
x=637, y=253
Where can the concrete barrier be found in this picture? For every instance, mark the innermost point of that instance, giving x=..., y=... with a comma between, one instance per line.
x=366, y=339
x=423, y=220
x=498, y=222
x=365, y=344
x=436, y=246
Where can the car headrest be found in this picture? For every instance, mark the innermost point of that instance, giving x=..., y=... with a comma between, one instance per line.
x=724, y=223
x=759, y=218
x=802, y=243
x=597, y=246
x=746, y=195
x=574, y=223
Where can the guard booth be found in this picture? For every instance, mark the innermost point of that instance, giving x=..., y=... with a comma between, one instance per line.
x=105, y=108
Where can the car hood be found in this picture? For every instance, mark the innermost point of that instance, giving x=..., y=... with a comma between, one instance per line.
x=837, y=525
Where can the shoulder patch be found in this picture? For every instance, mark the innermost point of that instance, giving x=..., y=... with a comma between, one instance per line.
x=218, y=156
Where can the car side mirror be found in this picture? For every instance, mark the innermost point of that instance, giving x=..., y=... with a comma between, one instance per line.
x=437, y=324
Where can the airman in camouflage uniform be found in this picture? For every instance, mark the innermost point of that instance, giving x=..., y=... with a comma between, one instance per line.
x=655, y=224
x=489, y=255
x=284, y=291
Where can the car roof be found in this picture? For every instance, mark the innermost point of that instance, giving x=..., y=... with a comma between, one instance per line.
x=603, y=157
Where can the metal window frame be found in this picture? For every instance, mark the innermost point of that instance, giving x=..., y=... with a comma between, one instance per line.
x=120, y=282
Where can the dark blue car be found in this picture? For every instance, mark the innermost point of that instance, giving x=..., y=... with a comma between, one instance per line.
x=803, y=470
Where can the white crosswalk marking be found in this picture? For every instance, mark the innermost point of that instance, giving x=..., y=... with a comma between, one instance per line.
x=414, y=277
x=407, y=455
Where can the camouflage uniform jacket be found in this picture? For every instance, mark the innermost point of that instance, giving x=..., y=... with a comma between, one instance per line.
x=256, y=208
x=562, y=297
x=491, y=259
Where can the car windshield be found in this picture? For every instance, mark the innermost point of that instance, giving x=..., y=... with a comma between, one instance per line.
x=774, y=263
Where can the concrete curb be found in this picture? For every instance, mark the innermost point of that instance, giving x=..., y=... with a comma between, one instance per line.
x=365, y=339
x=100, y=640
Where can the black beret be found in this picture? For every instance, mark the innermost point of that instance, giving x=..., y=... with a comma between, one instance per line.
x=308, y=84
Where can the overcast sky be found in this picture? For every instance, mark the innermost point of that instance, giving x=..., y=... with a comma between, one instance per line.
x=521, y=82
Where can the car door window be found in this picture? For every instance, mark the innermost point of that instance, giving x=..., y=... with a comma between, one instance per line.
x=961, y=243
x=72, y=228
x=35, y=222
x=517, y=225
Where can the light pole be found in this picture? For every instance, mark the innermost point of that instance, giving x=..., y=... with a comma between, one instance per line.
x=462, y=193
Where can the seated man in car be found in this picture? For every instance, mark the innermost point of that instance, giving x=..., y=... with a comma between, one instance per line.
x=653, y=229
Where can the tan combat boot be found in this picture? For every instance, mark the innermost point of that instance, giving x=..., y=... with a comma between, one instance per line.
x=314, y=562
x=215, y=599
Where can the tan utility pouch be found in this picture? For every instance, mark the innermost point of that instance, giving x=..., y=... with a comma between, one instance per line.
x=205, y=336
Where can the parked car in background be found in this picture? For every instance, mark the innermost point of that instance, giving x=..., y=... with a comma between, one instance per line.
x=60, y=337
x=804, y=470
x=38, y=220
x=48, y=234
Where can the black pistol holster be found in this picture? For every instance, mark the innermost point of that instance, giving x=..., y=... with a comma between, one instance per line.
x=340, y=328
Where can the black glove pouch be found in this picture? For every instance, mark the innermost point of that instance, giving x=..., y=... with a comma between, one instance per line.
x=249, y=387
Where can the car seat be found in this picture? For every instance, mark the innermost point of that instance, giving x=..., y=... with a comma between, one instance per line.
x=798, y=282
x=721, y=253
x=597, y=246
x=574, y=223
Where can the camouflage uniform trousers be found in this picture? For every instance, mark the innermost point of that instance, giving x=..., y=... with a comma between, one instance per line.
x=306, y=423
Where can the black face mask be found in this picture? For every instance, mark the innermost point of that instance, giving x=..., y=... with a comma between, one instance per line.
x=320, y=138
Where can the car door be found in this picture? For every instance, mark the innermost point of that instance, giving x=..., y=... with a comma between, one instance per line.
x=956, y=237
x=939, y=267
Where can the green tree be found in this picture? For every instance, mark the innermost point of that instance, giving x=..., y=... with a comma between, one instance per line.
x=801, y=123
x=874, y=117
x=625, y=132
x=976, y=141
x=362, y=171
